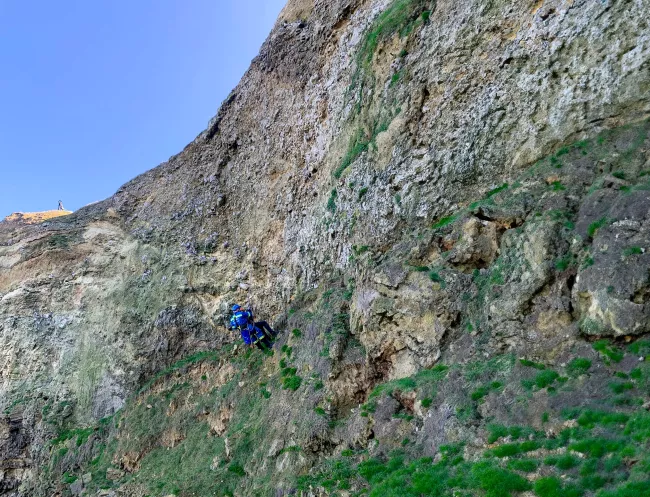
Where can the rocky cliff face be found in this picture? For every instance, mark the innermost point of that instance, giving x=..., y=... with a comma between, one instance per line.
x=444, y=207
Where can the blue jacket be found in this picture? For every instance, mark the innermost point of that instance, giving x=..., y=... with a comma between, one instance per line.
x=243, y=320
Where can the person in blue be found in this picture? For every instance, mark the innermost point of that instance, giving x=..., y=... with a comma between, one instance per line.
x=253, y=333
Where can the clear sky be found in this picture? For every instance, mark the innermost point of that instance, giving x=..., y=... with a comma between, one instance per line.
x=95, y=92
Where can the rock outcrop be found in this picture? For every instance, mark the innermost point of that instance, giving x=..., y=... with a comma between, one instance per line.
x=418, y=194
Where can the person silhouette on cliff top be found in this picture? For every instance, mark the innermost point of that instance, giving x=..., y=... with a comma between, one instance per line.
x=61, y=208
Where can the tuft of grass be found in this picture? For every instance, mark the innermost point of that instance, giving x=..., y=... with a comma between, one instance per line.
x=436, y=278
x=362, y=192
x=358, y=145
x=396, y=77
x=588, y=261
x=296, y=333
x=484, y=390
x=543, y=379
x=595, y=226
x=237, y=469
x=578, y=366
x=400, y=18
x=445, y=221
x=497, y=190
x=564, y=262
x=495, y=481
x=621, y=387
x=551, y=486
x=632, y=251
x=640, y=346
x=607, y=351
x=546, y=378
x=531, y=364
x=567, y=461
x=331, y=202
x=524, y=465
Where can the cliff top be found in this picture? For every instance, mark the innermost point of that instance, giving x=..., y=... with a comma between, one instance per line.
x=35, y=217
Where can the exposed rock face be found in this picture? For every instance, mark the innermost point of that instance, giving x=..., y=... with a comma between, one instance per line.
x=312, y=195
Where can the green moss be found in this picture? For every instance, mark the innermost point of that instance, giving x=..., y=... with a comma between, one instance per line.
x=296, y=333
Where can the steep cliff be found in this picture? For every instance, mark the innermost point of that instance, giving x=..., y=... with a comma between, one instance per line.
x=444, y=207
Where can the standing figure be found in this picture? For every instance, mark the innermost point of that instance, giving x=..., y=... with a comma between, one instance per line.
x=61, y=206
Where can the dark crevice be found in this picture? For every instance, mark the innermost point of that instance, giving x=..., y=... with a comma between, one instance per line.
x=642, y=295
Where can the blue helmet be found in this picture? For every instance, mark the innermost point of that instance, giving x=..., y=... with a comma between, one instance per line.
x=236, y=307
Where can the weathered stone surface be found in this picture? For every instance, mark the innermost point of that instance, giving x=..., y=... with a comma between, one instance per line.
x=613, y=291
x=359, y=152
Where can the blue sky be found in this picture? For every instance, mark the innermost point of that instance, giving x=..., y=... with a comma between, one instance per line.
x=95, y=92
